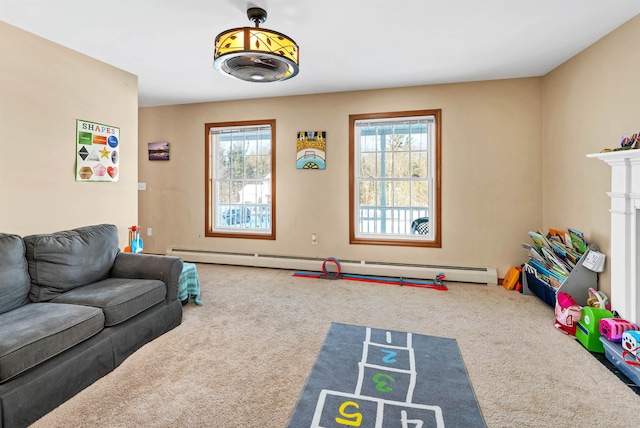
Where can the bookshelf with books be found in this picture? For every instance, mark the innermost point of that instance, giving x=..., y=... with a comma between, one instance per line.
x=557, y=263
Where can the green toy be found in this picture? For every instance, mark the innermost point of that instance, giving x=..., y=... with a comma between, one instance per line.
x=588, y=331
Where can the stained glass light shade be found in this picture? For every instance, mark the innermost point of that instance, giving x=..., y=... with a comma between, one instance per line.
x=256, y=55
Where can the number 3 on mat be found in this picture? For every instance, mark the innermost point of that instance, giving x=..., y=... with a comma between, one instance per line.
x=380, y=384
x=354, y=419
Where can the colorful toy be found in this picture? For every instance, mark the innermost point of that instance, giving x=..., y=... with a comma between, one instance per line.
x=135, y=243
x=612, y=328
x=436, y=284
x=512, y=278
x=588, y=331
x=568, y=313
x=335, y=261
x=631, y=342
x=598, y=299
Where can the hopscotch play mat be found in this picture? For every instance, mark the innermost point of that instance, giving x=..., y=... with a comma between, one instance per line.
x=371, y=378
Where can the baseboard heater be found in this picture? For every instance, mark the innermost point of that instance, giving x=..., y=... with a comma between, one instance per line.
x=480, y=275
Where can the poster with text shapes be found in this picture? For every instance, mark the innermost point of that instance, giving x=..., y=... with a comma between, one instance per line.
x=311, y=150
x=97, y=151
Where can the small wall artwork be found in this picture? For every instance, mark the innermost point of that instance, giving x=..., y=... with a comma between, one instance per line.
x=97, y=151
x=311, y=150
x=159, y=151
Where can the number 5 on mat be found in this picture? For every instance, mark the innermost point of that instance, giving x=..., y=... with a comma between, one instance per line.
x=353, y=419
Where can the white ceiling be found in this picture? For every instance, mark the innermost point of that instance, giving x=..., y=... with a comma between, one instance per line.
x=344, y=44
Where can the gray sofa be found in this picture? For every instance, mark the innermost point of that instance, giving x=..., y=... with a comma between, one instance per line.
x=73, y=308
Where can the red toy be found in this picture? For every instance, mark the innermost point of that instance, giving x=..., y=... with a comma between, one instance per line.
x=568, y=313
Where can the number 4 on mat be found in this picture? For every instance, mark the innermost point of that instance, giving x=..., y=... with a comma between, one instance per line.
x=415, y=423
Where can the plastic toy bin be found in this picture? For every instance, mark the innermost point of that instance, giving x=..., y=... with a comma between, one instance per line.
x=545, y=292
x=613, y=352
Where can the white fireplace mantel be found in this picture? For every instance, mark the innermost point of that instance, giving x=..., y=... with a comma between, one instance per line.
x=625, y=226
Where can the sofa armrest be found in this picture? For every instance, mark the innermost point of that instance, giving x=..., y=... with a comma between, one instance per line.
x=150, y=266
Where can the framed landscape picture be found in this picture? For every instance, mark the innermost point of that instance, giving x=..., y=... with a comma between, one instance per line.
x=158, y=151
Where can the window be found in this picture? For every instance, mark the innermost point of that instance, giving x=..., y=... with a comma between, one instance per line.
x=394, y=173
x=240, y=171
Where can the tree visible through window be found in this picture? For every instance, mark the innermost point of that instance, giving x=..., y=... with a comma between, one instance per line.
x=240, y=167
x=395, y=178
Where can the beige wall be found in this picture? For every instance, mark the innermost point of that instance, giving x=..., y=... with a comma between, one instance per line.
x=513, y=160
x=44, y=88
x=491, y=167
x=588, y=104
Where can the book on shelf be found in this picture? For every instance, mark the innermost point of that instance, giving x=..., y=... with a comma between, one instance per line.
x=564, y=254
x=539, y=240
x=577, y=241
x=546, y=274
x=533, y=253
x=556, y=262
x=561, y=235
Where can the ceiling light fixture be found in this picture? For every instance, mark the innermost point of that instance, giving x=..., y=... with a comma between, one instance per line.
x=255, y=54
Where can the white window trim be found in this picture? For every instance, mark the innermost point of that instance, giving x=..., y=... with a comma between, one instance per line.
x=432, y=238
x=214, y=227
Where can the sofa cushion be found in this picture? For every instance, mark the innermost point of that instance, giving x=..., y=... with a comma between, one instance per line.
x=14, y=275
x=62, y=261
x=119, y=298
x=35, y=332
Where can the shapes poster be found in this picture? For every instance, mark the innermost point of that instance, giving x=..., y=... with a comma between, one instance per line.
x=97, y=151
x=311, y=150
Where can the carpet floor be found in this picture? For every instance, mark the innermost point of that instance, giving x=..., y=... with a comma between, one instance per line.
x=243, y=358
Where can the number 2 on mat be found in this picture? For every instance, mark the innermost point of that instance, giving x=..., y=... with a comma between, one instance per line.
x=389, y=357
x=354, y=419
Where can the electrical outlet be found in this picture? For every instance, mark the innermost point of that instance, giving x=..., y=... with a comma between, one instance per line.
x=149, y=231
x=314, y=238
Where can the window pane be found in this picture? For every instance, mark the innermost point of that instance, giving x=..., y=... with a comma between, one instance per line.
x=224, y=158
x=237, y=156
x=420, y=194
x=420, y=141
x=263, y=167
x=419, y=164
x=250, y=147
x=400, y=166
x=264, y=145
x=368, y=165
x=250, y=166
x=223, y=192
x=402, y=191
x=368, y=192
x=370, y=140
x=251, y=144
x=224, y=145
